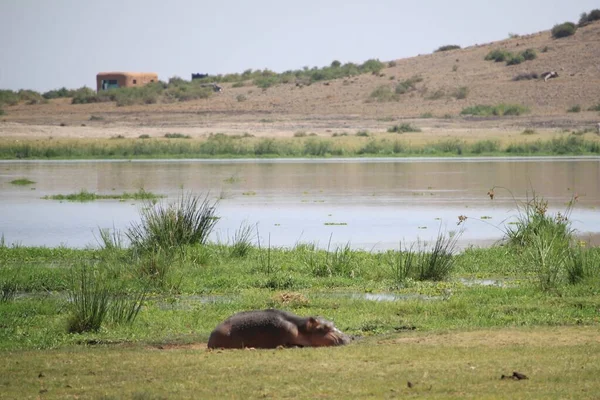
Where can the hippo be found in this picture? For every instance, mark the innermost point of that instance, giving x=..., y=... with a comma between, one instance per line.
x=268, y=329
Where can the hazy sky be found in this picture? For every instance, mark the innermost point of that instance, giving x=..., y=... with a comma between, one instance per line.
x=47, y=44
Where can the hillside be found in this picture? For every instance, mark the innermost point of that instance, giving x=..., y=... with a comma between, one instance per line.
x=345, y=103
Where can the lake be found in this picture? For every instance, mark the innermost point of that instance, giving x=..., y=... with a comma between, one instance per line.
x=372, y=204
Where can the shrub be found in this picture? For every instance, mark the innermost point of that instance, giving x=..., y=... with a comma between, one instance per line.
x=515, y=59
x=300, y=134
x=526, y=76
x=498, y=55
x=8, y=97
x=528, y=131
x=563, y=30
x=241, y=98
x=461, y=93
x=144, y=136
x=595, y=108
x=189, y=220
x=85, y=95
x=402, y=128
x=59, y=93
x=177, y=136
x=362, y=134
x=335, y=64
x=529, y=54
x=586, y=18
x=392, y=64
x=447, y=48
x=408, y=84
x=383, y=93
x=437, y=95
x=575, y=109
x=372, y=65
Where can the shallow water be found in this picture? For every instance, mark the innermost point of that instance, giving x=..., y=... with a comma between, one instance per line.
x=368, y=203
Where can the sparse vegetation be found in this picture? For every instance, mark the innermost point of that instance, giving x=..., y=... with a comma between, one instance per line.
x=383, y=93
x=403, y=128
x=529, y=131
x=437, y=95
x=177, y=136
x=84, y=196
x=447, y=47
x=460, y=93
x=498, y=55
x=408, y=85
x=498, y=110
x=22, y=182
x=575, y=109
x=563, y=30
x=595, y=108
x=526, y=76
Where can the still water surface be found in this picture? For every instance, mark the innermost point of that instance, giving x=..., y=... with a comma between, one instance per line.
x=372, y=203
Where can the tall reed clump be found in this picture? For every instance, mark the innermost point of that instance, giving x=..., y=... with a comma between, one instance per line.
x=94, y=301
x=90, y=298
x=423, y=263
x=8, y=286
x=242, y=241
x=547, y=244
x=187, y=221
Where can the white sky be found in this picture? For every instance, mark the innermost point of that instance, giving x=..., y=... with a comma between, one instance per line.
x=47, y=44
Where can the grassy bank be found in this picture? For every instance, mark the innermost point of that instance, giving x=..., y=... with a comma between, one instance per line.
x=559, y=362
x=171, y=284
x=227, y=146
x=530, y=305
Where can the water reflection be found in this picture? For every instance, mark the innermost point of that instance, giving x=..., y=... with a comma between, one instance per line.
x=371, y=204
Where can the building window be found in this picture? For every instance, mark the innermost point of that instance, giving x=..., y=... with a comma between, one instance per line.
x=134, y=81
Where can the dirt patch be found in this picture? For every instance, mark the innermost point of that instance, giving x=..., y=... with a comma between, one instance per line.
x=175, y=346
x=539, y=336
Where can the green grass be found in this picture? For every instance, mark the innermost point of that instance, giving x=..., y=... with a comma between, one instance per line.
x=301, y=145
x=84, y=195
x=560, y=363
x=22, y=182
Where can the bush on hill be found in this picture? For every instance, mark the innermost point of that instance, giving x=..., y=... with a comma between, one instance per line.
x=447, y=47
x=563, y=30
x=592, y=16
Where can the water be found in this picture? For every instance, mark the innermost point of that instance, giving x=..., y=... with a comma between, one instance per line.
x=373, y=204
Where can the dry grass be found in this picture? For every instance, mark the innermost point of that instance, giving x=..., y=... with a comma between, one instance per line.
x=560, y=363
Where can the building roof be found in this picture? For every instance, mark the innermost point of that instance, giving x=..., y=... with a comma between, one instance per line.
x=126, y=73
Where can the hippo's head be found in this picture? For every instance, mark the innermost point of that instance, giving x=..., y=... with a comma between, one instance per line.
x=320, y=332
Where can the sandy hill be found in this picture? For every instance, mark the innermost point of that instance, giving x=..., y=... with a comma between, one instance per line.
x=575, y=58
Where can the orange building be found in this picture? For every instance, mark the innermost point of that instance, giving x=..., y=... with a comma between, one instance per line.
x=111, y=80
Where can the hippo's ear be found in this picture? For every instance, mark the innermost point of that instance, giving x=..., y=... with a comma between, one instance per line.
x=311, y=324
